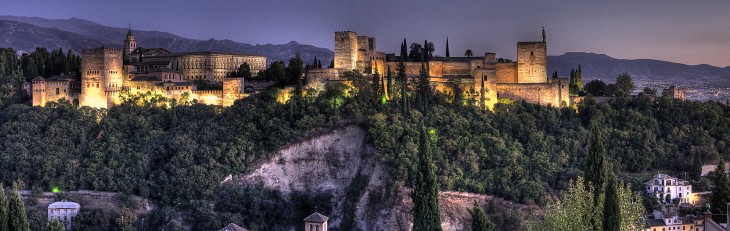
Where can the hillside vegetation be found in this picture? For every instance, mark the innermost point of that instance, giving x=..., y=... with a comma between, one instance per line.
x=177, y=155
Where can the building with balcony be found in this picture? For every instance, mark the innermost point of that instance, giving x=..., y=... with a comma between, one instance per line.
x=667, y=188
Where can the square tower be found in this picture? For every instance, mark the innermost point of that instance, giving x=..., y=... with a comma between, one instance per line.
x=531, y=62
x=101, y=74
x=346, y=47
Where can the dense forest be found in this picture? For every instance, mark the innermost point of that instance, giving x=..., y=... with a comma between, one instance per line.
x=177, y=154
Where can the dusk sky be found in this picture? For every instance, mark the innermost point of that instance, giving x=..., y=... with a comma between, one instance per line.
x=691, y=32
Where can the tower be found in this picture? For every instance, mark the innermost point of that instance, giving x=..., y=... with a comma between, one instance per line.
x=532, y=61
x=346, y=48
x=129, y=45
x=101, y=76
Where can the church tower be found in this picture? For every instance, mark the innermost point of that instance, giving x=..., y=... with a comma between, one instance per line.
x=129, y=45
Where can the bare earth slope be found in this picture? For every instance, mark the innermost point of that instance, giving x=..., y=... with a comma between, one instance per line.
x=328, y=163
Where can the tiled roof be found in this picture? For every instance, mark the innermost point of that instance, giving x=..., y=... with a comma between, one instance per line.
x=146, y=78
x=233, y=227
x=316, y=217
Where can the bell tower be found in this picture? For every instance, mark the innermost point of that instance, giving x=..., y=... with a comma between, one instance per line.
x=129, y=44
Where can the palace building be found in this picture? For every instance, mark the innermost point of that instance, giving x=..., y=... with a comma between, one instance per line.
x=482, y=77
x=107, y=73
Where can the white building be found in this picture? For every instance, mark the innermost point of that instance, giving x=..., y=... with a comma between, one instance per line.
x=63, y=211
x=667, y=188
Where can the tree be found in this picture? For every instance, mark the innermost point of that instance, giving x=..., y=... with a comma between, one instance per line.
x=17, y=219
x=468, y=53
x=244, y=70
x=612, y=207
x=425, y=188
x=624, y=85
x=596, y=87
x=479, y=221
x=447, y=47
x=721, y=192
x=595, y=171
x=576, y=210
x=576, y=81
x=424, y=88
x=55, y=225
x=389, y=86
x=404, y=51
x=294, y=70
x=3, y=209
x=416, y=54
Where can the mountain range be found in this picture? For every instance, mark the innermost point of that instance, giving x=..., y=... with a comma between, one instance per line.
x=26, y=33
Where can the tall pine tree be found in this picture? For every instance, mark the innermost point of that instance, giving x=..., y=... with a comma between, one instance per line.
x=612, y=207
x=17, y=219
x=479, y=221
x=595, y=171
x=3, y=210
x=721, y=192
x=426, y=216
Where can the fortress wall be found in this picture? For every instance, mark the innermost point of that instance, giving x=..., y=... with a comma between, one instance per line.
x=210, y=97
x=554, y=94
x=531, y=62
x=435, y=68
x=316, y=78
x=64, y=91
x=456, y=68
x=485, y=83
x=506, y=72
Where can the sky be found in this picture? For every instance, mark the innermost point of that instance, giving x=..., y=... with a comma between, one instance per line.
x=690, y=32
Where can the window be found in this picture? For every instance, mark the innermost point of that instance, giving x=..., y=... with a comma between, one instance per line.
x=57, y=91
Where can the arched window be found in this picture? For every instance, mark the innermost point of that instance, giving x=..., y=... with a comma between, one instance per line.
x=57, y=91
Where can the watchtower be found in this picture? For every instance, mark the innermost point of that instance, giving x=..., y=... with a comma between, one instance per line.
x=101, y=75
x=532, y=61
x=346, y=48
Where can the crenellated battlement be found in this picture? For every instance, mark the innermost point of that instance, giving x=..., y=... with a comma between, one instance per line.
x=100, y=50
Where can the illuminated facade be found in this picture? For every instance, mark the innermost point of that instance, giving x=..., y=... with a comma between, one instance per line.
x=483, y=78
x=108, y=73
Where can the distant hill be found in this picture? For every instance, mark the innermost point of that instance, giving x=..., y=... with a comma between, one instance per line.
x=606, y=68
x=76, y=34
x=26, y=33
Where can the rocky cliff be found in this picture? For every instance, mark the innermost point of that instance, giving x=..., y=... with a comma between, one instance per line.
x=329, y=164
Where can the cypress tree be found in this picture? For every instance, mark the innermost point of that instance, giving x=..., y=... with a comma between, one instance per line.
x=612, y=207
x=17, y=220
x=595, y=172
x=423, y=88
x=426, y=215
x=479, y=221
x=389, y=87
x=3, y=210
x=404, y=50
x=721, y=192
x=375, y=84
x=447, y=47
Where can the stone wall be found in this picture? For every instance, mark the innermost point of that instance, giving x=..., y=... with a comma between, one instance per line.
x=95, y=70
x=506, y=72
x=346, y=47
x=485, y=86
x=554, y=93
x=232, y=90
x=531, y=62
x=457, y=68
x=210, y=97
